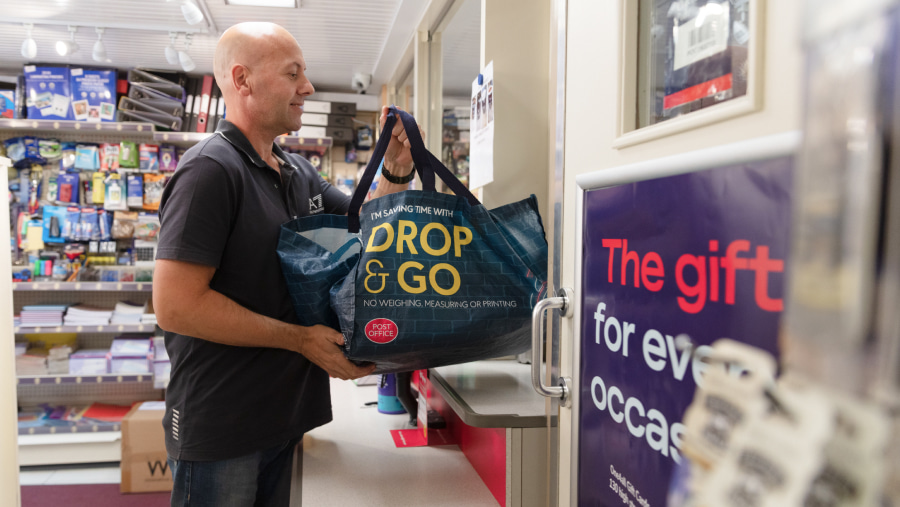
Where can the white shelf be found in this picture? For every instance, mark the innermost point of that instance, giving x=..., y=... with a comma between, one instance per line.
x=109, y=328
x=72, y=438
x=83, y=286
x=110, y=378
x=69, y=448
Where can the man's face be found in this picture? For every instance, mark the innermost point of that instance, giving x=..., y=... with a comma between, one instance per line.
x=282, y=88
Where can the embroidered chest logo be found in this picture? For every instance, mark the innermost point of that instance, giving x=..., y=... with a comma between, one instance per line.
x=315, y=205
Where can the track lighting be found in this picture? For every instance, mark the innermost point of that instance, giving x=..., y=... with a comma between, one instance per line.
x=192, y=13
x=187, y=63
x=99, y=52
x=67, y=47
x=171, y=52
x=29, y=47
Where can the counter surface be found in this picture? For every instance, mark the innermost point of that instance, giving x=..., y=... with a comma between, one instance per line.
x=353, y=461
x=492, y=394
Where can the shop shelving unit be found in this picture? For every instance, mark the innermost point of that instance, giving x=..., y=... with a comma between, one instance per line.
x=98, y=442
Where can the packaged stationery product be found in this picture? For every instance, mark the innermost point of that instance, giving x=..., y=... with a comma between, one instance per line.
x=93, y=94
x=47, y=93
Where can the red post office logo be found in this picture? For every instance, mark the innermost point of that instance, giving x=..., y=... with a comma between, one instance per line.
x=381, y=330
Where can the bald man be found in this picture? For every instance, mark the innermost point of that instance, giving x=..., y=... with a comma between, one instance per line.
x=247, y=382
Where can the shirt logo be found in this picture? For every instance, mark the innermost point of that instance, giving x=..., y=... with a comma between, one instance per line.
x=315, y=205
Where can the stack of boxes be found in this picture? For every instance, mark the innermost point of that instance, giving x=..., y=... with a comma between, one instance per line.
x=328, y=119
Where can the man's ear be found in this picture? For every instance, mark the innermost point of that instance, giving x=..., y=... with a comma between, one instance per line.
x=240, y=79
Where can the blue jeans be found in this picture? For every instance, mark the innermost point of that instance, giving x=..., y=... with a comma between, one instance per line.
x=260, y=479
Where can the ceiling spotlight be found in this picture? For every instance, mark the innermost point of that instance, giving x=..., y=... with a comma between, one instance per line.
x=187, y=63
x=192, y=13
x=67, y=47
x=99, y=52
x=29, y=47
x=171, y=52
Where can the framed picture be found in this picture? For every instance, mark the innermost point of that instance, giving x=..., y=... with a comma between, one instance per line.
x=698, y=62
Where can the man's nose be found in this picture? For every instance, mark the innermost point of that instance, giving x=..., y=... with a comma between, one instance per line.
x=306, y=88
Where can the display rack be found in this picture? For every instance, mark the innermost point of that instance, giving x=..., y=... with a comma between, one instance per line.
x=89, y=443
x=101, y=442
x=146, y=129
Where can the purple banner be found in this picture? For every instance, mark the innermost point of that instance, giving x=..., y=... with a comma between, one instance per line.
x=670, y=265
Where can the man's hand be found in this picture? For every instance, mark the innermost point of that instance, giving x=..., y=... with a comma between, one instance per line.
x=321, y=345
x=398, y=157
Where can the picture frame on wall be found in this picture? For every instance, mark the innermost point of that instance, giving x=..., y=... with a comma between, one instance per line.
x=698, y=62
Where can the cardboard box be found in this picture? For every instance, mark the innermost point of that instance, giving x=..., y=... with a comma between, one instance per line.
x=144, y=465
x=307, y=131
x=339, y=134
x=343, y=108
x=314, y=119
x=316, y=106
x=340, y=120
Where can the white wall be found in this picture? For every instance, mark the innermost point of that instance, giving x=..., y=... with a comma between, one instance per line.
x=516, y=37
x=9, y=451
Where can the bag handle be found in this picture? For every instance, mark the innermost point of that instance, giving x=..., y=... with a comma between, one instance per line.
x=426, y=164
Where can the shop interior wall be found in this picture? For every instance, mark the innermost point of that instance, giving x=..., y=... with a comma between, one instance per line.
x=592, y=91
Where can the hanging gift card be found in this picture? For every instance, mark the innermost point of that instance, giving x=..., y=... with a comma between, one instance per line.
x=772, y=460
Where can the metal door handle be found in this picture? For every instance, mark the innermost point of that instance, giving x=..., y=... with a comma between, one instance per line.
x=563, y=301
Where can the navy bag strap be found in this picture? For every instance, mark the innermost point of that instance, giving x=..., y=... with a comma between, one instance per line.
x=426, y=164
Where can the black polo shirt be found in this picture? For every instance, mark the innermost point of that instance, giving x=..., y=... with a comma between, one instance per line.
x=223, y=208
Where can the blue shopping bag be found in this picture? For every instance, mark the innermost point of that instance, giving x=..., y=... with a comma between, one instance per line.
x=419, y=279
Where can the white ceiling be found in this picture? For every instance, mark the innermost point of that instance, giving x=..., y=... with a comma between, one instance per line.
x=338, y=37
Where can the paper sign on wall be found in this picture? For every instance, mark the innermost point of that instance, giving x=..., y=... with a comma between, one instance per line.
x=481, y=149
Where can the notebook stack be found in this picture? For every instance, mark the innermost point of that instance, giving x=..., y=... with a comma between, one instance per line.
x=127, y=313
x=85, y=315
x=42, y=315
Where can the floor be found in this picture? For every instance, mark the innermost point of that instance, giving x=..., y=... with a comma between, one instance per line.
x=351, y=461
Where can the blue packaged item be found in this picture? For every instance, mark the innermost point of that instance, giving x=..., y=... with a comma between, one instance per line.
x=93, y=94
x=67, y=158
x=148, y=157
x=7, y=104
x=24, y=151
x=70, y=227
x=67, y=184
x=47, y=93
x=15, y=149
x=419, y=279
x=104, y=220
x=54, y=222
x=90, y=226
x=87, y=157
x=135, y=191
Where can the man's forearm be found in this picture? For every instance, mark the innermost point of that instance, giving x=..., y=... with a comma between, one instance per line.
x=214, y=317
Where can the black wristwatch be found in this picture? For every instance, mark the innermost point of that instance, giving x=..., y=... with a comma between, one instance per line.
x=397, y=180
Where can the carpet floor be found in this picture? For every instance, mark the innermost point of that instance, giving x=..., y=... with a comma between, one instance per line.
x=89, y=495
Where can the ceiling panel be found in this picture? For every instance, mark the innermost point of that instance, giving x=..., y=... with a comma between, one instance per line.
x=461, y=48
x=338, y=37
